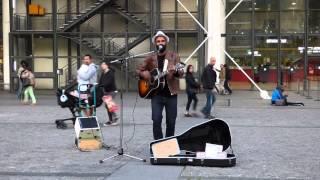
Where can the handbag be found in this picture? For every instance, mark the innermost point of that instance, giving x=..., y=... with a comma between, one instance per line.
x=112, y=106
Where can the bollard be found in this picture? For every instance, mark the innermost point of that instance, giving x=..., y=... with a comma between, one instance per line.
x=228, y=102
x=318, y=90
x=308, y=90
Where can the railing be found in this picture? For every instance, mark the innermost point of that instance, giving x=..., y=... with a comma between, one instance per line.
x=43, y=23
x=65, y=79
x=112, y=47
x=64, y=16
x=309, y=88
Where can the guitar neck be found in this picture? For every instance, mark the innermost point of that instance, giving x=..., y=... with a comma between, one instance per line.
x=162, y=74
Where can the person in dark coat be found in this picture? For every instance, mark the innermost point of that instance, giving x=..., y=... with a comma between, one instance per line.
x=227, y=79
x=107, y=81
x=192, y=89
x=23, y=66
x=208, y=79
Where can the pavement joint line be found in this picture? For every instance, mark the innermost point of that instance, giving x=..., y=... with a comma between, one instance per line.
x=149, y=124
x=44, y=123
x=56, y=174
x=293, y=127
x=237, y=178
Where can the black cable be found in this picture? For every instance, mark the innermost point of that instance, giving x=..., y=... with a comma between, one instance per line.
x=134, y=124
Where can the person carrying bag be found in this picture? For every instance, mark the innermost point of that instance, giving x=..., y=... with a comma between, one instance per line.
x=28, y=82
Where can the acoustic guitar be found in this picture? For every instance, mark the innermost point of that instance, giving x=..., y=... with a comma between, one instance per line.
x=147, y=88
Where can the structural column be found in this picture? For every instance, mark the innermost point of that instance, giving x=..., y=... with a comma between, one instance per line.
x=6, y=30
x=215, y=10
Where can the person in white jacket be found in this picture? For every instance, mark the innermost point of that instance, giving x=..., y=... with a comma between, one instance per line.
x=87, y=73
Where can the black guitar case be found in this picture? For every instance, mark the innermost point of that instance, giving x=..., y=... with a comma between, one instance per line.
x=194, y=140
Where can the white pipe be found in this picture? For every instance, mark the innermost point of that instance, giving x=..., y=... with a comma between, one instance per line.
x=189, y=57
x=233, y=9
x=6, y=31
x=195, y=19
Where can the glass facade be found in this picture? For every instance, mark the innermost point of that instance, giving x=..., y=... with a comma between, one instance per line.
x=55, y=42
x=267, y=38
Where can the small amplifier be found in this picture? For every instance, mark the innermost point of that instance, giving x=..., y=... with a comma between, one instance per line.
x=88, y=133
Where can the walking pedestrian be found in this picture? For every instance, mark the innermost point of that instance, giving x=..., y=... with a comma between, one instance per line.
x=192, y=90
x=208, y=79
x=227, y=79
x=28, y=81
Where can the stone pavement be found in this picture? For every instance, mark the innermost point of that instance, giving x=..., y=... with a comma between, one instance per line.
x=269, y=142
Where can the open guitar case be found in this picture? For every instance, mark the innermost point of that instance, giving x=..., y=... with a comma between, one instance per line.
x=194, y=140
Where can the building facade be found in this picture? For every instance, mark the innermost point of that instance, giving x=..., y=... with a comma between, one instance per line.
x=267, y=38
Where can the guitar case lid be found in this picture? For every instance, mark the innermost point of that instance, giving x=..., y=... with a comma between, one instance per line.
x=214, y=131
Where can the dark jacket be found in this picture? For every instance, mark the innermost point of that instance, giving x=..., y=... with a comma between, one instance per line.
x=192, y=85
x=208, y=77
x=107, y=81
x=151, y=62
x=228, y=73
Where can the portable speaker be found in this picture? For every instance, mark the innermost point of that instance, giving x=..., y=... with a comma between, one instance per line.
x=88, y=133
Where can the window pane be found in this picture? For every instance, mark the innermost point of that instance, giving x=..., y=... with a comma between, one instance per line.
x=290, y=49
x=265, y=63
x=267, y=5
x=266, y=23
x=314, y=46
x=291, y=54
x=191, y=5
x=44, y=83
x=186, y=45
x=314, y=22
x=186, y=22
x=292, y=4
x=314, y=4
x=266, y=50
x=42, y=46
x=239, y=23
x=292, y=22
x=238, y=47
x=244, y=6
x=43, y=65
x=167, y=6
x=167, y=21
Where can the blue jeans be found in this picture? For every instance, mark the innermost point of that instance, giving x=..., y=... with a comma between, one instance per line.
x=157, y=104
x=19, y=90
x=211, y=99
x=192, y=96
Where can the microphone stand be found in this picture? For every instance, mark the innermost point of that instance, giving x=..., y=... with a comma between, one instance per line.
x=121, y=151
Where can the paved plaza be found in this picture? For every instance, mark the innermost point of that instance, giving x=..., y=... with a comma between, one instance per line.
x=269, y=142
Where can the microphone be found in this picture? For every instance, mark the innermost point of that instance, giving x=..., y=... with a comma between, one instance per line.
x=160, y=48
x=165, y=65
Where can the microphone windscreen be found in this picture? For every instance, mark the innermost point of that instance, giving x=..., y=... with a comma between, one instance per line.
x=160, y=47
x=165, y=65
